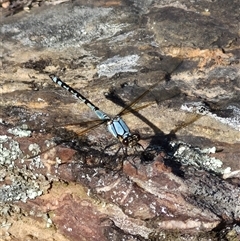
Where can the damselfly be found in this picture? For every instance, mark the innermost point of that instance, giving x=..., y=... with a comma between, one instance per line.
x=115, y=125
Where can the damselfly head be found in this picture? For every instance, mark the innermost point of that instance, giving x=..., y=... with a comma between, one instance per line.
x=131, y=140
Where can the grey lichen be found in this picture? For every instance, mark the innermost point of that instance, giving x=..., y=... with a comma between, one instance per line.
x=22, y=183
x=118, y=64
x=9, y=150
x=68, y=27
x=18, y=131
x=199, y=158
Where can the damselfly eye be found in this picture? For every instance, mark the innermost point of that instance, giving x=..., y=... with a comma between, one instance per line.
x=136, y=137
x=125, y=142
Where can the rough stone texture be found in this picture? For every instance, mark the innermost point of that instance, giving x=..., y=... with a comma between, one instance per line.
x=180, y=187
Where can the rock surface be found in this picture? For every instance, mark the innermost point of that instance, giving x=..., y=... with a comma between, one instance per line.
x=61, y=181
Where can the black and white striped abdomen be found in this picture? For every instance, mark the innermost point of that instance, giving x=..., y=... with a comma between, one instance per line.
x=101, y=115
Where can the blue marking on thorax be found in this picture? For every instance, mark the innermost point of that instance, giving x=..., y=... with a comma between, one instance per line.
x=118, y=128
